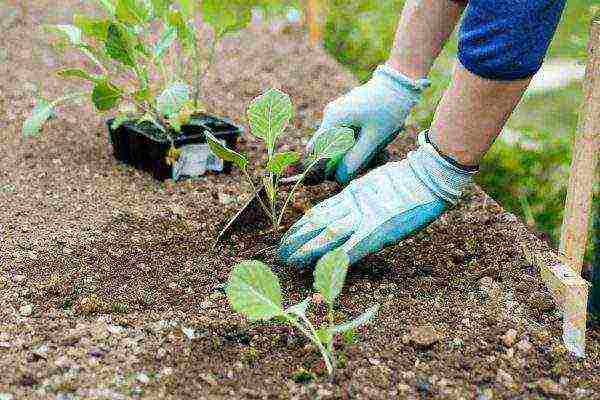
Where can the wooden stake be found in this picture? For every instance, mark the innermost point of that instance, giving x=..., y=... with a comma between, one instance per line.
x=574, y=232
x=570, y=293
x=314, y=16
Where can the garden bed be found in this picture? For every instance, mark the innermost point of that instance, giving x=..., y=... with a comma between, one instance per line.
x=111, y=287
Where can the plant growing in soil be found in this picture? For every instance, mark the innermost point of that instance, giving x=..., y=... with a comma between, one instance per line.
x=254, y=291
x=269, y=115
x=137, y=71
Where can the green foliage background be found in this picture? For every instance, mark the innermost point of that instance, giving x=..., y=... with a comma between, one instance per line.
x=528, y=176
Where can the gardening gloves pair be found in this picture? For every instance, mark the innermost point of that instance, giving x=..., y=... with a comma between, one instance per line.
x=377, y=111
x=381, y=208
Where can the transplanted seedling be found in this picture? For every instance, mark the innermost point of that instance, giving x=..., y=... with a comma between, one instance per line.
x=269, y=116
x=254, y=291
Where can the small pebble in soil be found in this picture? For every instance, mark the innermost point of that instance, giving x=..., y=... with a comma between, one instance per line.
x=425, y=336
x=505, y=379
x=26, y=310
x=524, y=346
x=423, y=384
x=509, y=338
x=549, y=387
x=143, y=378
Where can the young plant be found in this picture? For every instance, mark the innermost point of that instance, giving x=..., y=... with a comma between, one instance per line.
x=269, y=116
x=138, y=72
x=254, y=291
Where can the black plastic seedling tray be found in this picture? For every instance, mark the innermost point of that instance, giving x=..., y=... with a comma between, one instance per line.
x=145, y=147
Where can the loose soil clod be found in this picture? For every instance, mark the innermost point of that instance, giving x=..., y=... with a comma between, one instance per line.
x=119, y=270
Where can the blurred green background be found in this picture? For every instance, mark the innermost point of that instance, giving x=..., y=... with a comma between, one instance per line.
x=527, y=169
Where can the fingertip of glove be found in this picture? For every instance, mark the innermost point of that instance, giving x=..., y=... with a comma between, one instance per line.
x=342, y=174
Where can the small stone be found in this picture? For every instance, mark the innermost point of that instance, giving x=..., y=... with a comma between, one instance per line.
x=41, y=351
x=115, y=330
x=173, y=286
x=209, y=378
x=510, y=337
x=549, y=387
x=403, y=388
x=317, y=298
x=63, y=362
x=26, y=310
x=524, y=346
x=96, y=352
x=18, y=278
x=540, y=301
x=206, y=305
x=374, y=361
x=161, y=353
x=485, y=394
x=167, y=371
x=504, y=378
x=582, y=393
x=424, y=336
x=226, y=199
x=143, y=378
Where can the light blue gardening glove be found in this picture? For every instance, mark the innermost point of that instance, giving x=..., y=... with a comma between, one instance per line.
x=381, y=208
x=377, y=110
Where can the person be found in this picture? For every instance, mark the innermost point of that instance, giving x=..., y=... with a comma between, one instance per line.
x=502, y=44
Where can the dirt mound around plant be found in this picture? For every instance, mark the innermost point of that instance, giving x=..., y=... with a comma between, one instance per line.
x=111, y=286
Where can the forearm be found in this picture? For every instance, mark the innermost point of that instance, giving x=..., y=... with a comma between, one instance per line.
x=424, y=28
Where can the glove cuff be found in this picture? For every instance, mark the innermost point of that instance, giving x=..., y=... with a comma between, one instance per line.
x=402, y=81
x=443, y=178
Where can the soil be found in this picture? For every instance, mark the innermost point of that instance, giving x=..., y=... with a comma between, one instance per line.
x=112, y=289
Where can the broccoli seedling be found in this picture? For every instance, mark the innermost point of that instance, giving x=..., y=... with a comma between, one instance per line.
x=145, y=75
x=269, y=115
x=253, y=290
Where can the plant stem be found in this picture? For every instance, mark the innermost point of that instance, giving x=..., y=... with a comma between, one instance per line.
x=255, y=192
x=294, y=188
x=312, y=336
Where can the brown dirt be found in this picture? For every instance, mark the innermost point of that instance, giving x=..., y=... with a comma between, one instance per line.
x=115, y=264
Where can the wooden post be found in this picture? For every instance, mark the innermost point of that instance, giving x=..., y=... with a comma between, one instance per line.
x=314, y=16
x=574, y=232
x=594, y=303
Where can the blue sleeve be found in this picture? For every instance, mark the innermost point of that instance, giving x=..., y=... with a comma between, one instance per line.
x=507, y=39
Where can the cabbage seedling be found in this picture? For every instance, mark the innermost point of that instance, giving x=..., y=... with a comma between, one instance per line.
x=253, y=290
x=269, y=116
x=140, y=74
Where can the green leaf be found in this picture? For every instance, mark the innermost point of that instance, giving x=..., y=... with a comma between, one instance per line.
x=68, y=32
x=236, y=15
x=142, y=95
x=281, y=161
x=42, y=112
x=106, y=96
x=332, y=143
x=185, y=33
x=79, y=73
x=253, y=290
x=161, y=7
x=188, y=8
x=133, y=12
x=92, y=27
x=109, y=6
x=268, y=115
x=118, y=45
x=164, y=43
x=173, y=98
x=325, y=335
x=224, y=153
x=330, y=274
x=300, y=308
x=361, y=320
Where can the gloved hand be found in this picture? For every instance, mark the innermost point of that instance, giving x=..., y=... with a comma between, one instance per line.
x=381, y=208
x=378, y=110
